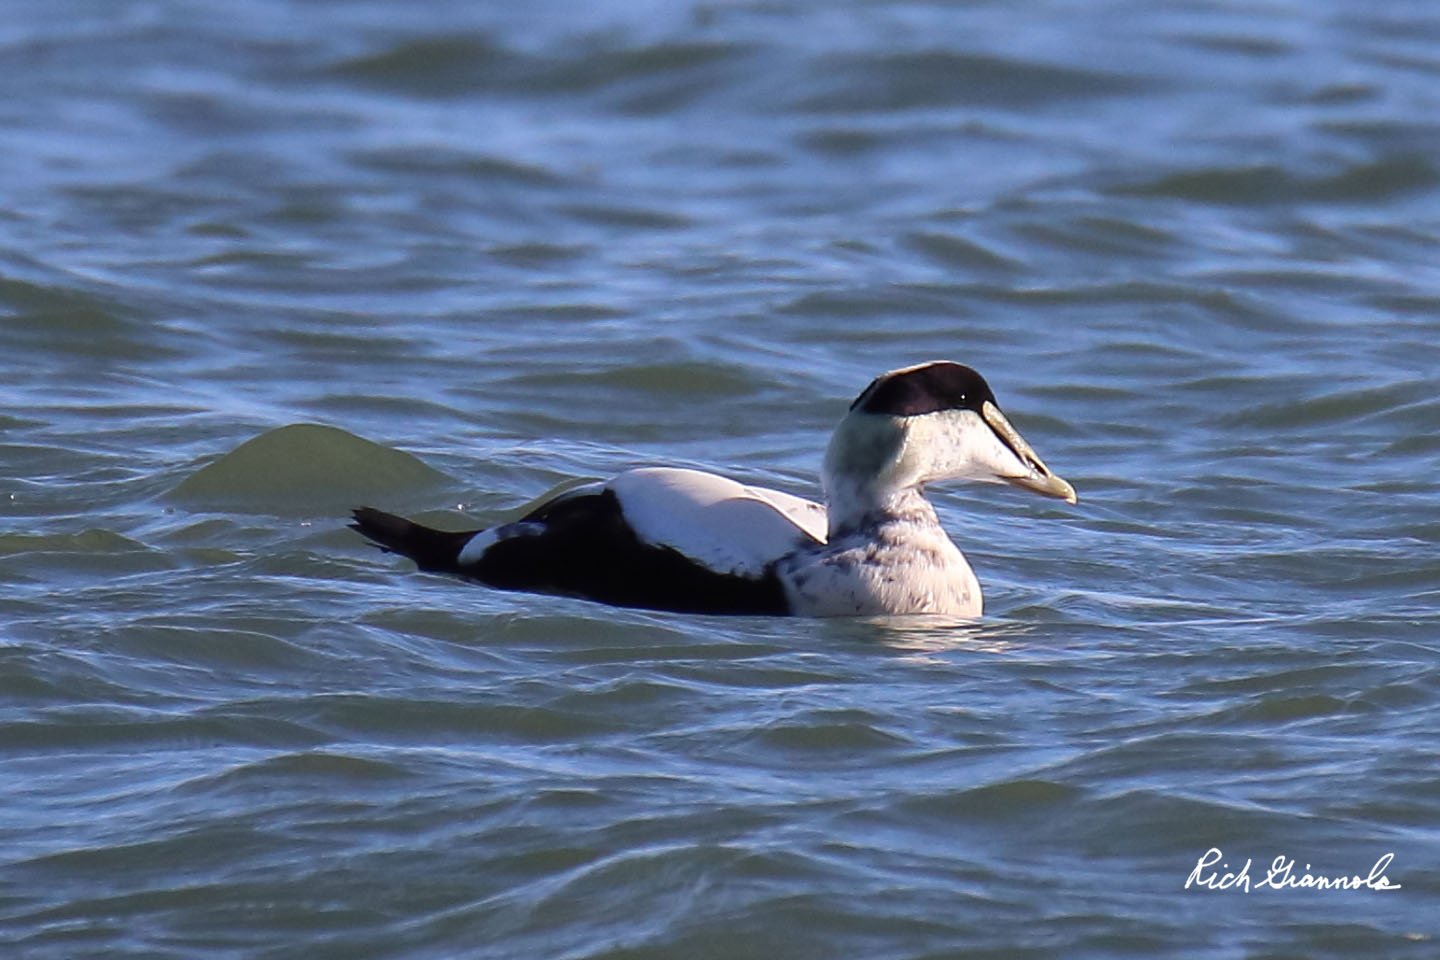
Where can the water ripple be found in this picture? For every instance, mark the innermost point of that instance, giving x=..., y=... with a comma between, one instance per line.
x=257, y=267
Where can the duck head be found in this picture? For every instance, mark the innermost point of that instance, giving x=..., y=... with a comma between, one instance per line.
x=931, y=422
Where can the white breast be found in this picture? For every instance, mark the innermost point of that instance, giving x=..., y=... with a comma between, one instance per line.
x=900, y=568
x=726, y=526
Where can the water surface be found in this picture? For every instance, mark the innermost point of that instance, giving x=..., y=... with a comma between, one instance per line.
x=487, y=250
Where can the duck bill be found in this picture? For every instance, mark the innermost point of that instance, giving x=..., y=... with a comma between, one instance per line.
x=1037, y=478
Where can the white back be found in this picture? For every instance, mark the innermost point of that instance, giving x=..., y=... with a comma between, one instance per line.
x=719, y=523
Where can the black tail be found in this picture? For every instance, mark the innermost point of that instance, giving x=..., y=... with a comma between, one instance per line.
x=433, y=550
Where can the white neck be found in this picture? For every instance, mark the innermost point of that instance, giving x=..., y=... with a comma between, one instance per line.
x=853, y=504
x=876, y=465
x=868, y=476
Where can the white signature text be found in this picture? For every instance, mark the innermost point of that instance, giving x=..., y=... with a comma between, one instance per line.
x=1281, y=874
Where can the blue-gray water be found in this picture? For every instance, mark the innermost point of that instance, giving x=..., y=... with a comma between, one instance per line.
x=1192, y=245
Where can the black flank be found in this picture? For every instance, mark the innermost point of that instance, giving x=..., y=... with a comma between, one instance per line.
x=586, y=549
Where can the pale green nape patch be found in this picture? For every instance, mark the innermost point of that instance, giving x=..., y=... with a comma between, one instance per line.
x=305, y=466
x=864, y=448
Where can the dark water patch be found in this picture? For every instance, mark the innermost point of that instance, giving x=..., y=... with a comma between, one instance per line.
x=665, y=73
x=1313, y=569
x=135, y=208
x=303, y=339
x=1425, y=307
x=81, y=731
x=1104, y=237
x=210, y=648
x=625, y=217
x=1421, y=416
x=1289, y=680
x=1405, y=801
x=470, y=720
x=69, y=323
x=1246, y=386
x=1374, y=182
x=863, y=82
x=618, y=701
x=1394, y=569
x=217, y=230
x=1419, y=444
x=820, y=736
x=217, y=265
x=323, y=769
x=224, y=117
x=441, y=161
x=1310, y=281
x=642, y=78
x=1336, y=407
x=1407, y=62
x=1232, y=306
x=1005, y=800
x=757, y=664
x=71, y=558
x=843, y=142
x=537, y=254
x=1404, y=695
x=668, y=379
x=569, y=799
x=1254, y=185
x=315, y=207
x=433, y=67
x=1244, y=44
x=1146, y=822
x=681, y=658
x=85, y=542
x=340, y=405
x=959, y=253
x=37, y=675
x=1268, y=711
x=58, y=309
x=200, y=847
x=458, y=627
x=203, y=914
x=903, y=301
x=212, y=533
x=1423, y=530
x=1074, y=393
x=1210, y=758
x=577, y=313
x=717, y=899
x=9, y=422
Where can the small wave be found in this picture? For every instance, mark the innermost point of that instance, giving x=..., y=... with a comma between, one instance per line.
x=822, y=734
x=1340, y=406
x=939, y=78
x=1002, y=800
x=433, y=161
x=958, y=252
x=643, y=79
x=302, y=467
x=302, y=770
x=1373, y=182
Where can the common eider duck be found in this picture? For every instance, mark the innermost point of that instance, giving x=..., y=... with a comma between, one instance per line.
x=673, y=539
